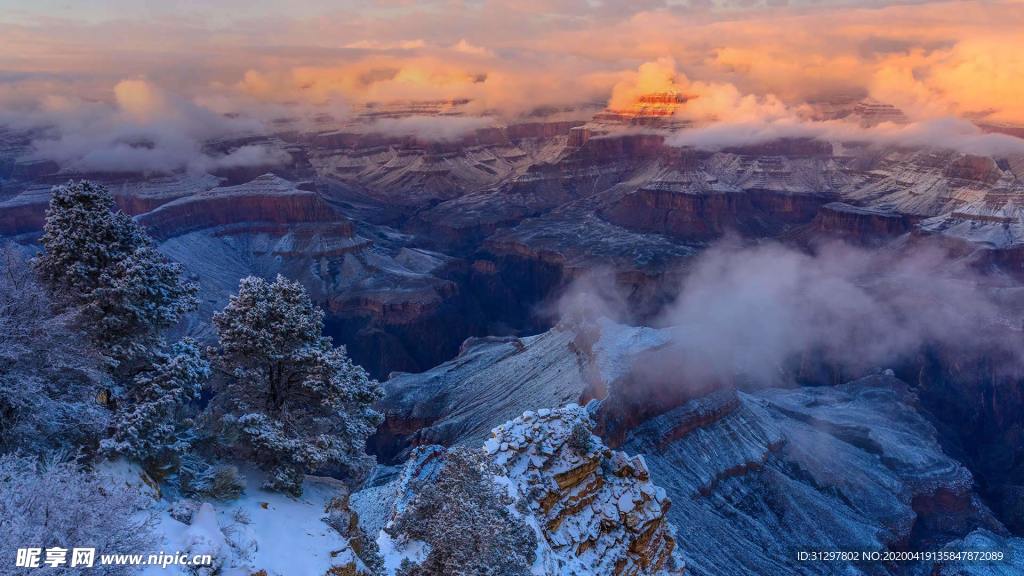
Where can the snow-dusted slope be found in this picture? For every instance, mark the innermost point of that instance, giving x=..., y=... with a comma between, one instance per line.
x=262, y=530
x=496, y=379
x=847, y=467
x=753, y=476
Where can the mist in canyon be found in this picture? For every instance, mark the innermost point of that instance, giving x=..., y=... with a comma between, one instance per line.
x=748, y=312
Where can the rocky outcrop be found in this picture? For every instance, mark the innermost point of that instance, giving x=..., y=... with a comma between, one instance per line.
x=597, y=509
x=976, y=169
x=991, y=231
x=408, y=171
x=24, y=211
x=853, y=465
x=655, y=104
x=634, y=146
x=870, y=113
x=550, y=251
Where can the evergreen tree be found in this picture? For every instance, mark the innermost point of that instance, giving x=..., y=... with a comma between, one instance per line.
x=287, y=398
x=98, y=261
x=143, y=295
x=49, y=382
x=153, y=426
x=84, y=237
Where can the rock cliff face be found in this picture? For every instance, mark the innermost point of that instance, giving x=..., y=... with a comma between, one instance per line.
x=974, y=169
x=383, y=297
x=267, y=202
x=23, y=207
x=976, y=405
x=700, y=217
x=859, y=225
x=853, y=465
x=412, y=172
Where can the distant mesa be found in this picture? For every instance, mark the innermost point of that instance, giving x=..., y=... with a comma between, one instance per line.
x=656, y=104
x=656, y=110
x=870, y=113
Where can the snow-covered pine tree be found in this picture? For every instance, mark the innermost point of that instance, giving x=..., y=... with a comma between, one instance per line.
x=286, y=397
x=154, y=426
x=48, y=381
x=465, y=519
x=84, y=236
x=98, y=261
x=144, y=295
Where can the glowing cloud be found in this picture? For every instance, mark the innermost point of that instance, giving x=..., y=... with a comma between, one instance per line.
x=755, y=72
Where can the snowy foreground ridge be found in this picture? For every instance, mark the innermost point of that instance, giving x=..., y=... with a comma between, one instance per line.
x=593, y=511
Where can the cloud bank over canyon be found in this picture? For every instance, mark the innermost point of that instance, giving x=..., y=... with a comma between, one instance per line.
x=101, y=93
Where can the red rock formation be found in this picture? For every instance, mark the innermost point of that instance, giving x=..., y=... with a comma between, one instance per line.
x=21, y=217
x=690, y=216
x=706, y=215
x=980, y=169
x=579, y=136
x=860, y=225
x=266, y=200
x=622, y=146
x=541, y=129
